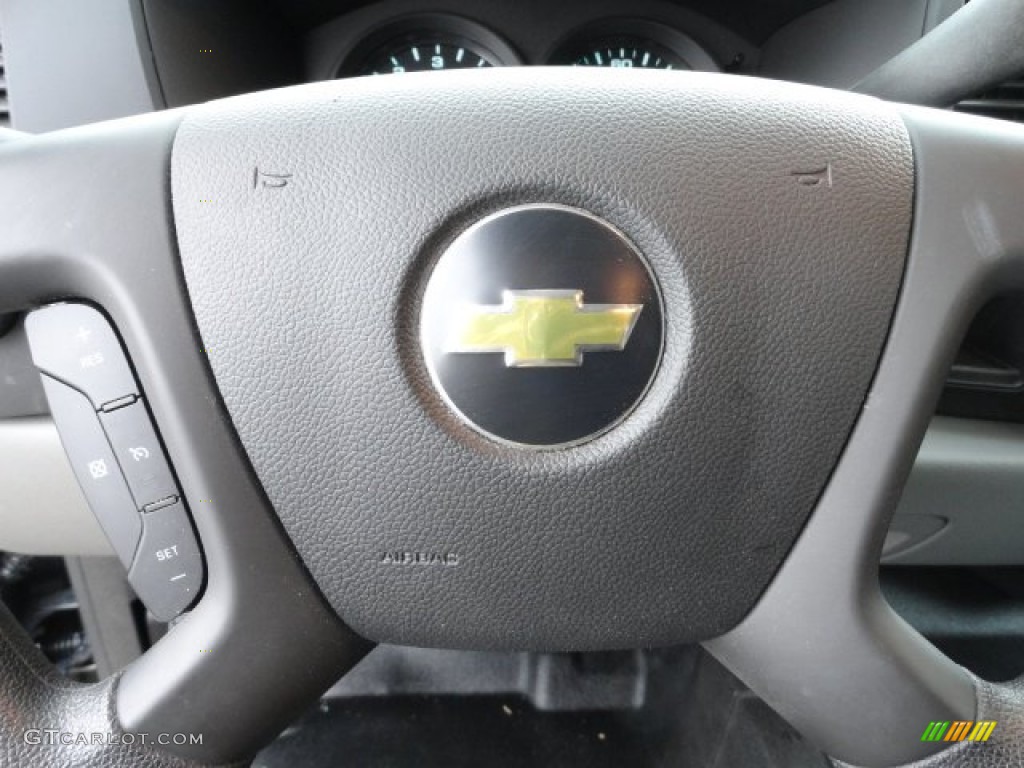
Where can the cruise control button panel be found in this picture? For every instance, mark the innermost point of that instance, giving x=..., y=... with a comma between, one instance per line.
x=116, y=454
x=168, y=570
x=75, y=344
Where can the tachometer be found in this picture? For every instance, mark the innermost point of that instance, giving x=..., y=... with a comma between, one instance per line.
x=428, y=55
x=428, y=43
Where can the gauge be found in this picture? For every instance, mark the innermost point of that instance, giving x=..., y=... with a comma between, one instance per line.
x=626, y=53
x=427, y=55
x=633, y=44
x=428, y=43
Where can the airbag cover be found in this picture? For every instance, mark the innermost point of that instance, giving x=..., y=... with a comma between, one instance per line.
x=775, y=219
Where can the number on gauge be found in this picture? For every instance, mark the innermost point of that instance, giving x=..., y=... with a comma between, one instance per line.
x=426, y=57
x=628, y=53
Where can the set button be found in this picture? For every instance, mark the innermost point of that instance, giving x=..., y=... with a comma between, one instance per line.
x=168, y=570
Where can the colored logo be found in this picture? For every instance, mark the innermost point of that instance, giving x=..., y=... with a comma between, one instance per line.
x=959, y=730
x=545, y=328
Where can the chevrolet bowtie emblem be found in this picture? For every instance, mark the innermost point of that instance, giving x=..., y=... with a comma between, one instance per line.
x=543, y=328
x=549, y=367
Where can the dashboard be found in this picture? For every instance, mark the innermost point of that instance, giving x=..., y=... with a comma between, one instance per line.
x=182, y=52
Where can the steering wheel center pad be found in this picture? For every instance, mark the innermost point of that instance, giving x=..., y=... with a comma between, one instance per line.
x=775, y=220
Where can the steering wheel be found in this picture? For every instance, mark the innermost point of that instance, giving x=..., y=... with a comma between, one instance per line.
x=795, y=267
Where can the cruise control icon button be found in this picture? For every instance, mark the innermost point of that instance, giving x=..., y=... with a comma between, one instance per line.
x=138, y=450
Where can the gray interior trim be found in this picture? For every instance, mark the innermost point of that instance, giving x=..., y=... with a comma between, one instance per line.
x=849, y=665
x=977, y=47
x=21, y=391
x=42, y=511
x=969, y=479
x=71, y=62
x=838, y=44
x=939, y=11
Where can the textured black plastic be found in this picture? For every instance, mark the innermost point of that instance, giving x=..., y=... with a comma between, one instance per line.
x=775, y=218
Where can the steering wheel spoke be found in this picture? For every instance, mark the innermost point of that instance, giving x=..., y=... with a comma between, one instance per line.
x=86, y=216
x=823, y=646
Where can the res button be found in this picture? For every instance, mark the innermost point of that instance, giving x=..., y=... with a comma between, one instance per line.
x=75, y=344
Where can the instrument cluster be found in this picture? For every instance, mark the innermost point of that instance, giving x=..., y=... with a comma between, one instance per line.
x=438, y=42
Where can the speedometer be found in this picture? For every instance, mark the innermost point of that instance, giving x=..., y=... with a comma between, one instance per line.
x=632, y=44
x=627, y=53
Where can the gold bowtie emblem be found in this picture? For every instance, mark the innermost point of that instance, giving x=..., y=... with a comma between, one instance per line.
x=543, y=328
